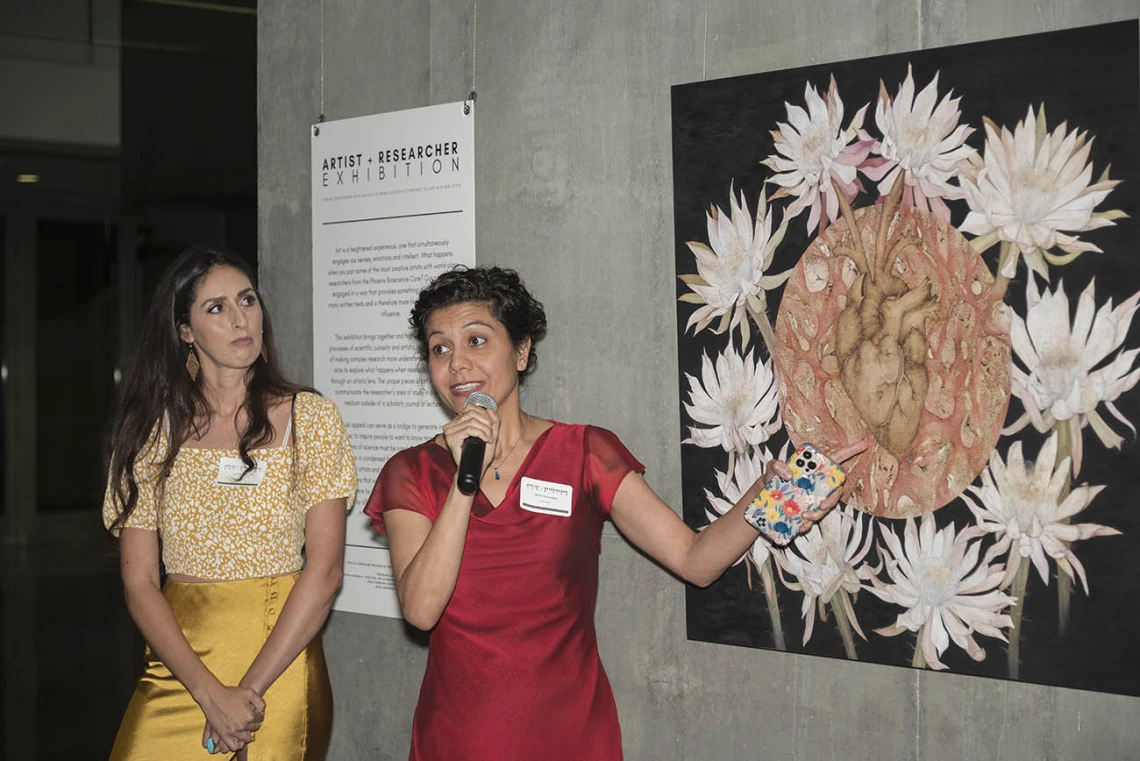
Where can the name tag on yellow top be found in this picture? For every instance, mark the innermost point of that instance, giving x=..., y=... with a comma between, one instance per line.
x=231, y=472
x=546, y=497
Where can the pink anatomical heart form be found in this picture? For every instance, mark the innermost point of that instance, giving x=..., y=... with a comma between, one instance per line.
x=890, y=330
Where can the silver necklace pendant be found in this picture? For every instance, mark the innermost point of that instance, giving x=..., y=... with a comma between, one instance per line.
x=512, y=450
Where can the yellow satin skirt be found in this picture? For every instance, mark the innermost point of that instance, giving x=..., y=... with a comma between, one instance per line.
x=227, y=623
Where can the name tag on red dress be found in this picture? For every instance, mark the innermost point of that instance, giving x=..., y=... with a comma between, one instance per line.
x=546, y=497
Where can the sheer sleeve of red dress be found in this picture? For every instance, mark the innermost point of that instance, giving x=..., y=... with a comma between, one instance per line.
x=399, y=488
x=608, y=462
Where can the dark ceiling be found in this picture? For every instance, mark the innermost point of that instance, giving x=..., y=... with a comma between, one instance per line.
x=189, y=102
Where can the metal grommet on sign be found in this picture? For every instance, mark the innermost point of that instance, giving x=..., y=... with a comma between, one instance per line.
x=468, y=103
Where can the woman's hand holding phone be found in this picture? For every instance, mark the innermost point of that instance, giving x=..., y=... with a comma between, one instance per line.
x=799, y=493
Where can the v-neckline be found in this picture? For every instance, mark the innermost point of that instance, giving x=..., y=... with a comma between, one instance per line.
x=482, y=507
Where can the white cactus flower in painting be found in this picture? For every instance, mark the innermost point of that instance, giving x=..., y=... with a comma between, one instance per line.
x=814, y=153
x=1034, y=190
x=731, y=284
x=1066, y=373
x=1024, y=506
x=828, y=560
x=923, y=141
x=735, y=404
x=950, y=594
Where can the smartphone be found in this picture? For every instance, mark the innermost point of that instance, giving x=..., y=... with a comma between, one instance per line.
x=815, y=474
x=777, y=511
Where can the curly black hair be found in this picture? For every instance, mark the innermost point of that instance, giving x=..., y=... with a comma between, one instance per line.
x=500, y=289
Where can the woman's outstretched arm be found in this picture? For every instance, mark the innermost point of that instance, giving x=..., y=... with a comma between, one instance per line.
x=700, y=557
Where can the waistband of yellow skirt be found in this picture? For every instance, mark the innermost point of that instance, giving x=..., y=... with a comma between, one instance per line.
x=268, y=593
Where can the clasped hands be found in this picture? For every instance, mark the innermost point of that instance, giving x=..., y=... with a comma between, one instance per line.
x=233, y=714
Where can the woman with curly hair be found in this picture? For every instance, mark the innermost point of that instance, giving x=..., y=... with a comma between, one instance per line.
x=221, y=472
x=506, y=578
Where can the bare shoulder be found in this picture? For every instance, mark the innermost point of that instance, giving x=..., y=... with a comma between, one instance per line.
x=280, y=411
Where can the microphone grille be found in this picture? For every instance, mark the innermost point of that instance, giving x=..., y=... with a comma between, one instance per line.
x=480, y=399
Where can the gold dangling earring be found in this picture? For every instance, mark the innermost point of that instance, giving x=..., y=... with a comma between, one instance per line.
x=192, y=364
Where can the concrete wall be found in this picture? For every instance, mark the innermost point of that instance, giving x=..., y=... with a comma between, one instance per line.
x=573, y=188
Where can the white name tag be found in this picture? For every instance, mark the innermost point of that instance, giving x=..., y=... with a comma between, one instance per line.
x=231, y=470
x=546, y=497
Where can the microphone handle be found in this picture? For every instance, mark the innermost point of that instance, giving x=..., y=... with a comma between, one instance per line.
x=471, y=464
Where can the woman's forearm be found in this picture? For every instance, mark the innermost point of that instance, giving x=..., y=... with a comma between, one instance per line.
x=302, y=617
x=154, y=618
x=230, y=710
x=425, y=586
x=697, y=557
x=727, y=538
x=719, y=545
x=310, y=599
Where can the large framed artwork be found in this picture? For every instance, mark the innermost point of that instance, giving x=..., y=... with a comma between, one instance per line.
x=935, y=253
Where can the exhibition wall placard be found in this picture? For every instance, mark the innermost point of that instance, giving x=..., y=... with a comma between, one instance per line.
x=393, y=206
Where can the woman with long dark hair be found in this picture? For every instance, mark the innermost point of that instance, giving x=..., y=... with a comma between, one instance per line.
x=221, y=471
x=506, y=578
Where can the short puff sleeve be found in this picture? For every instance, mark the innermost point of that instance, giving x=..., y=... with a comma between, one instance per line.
x=326, y=468
x=147, y=467
x=398, y=488
x=608, y=462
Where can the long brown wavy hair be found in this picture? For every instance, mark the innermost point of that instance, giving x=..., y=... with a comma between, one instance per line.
x=159, y=392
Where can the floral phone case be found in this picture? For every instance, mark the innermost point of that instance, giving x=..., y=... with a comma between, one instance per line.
x=815, y=475
x=777, y=512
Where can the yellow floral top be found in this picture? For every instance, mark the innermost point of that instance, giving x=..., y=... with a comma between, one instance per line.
x=226, y=532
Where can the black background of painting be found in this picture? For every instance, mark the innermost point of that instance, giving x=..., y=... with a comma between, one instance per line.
x=1087, y=76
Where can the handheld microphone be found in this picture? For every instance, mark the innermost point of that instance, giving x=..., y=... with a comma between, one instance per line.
x=471, y=458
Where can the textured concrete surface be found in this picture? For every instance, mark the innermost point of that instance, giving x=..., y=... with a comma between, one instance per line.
x=574, y=189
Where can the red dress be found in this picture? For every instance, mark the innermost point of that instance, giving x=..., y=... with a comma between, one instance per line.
x=513, y=671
